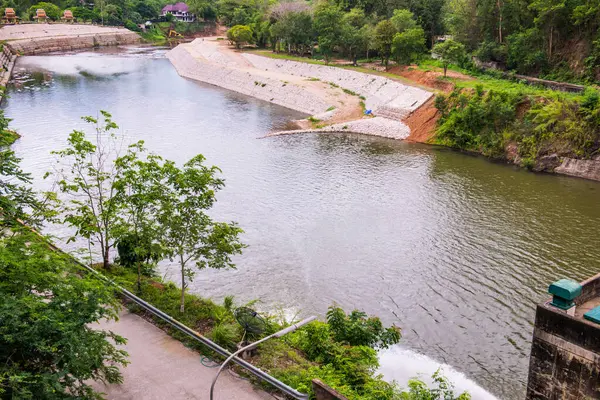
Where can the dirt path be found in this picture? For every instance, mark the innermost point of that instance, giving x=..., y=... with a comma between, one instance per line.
x=162, y=368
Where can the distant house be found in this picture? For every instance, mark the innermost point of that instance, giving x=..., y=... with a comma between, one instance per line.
x=180, y=11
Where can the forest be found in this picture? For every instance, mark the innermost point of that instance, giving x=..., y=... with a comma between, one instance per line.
x=552, y=39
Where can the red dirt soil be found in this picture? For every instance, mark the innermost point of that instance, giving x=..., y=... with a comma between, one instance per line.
x=422, y=122
x=430, y=79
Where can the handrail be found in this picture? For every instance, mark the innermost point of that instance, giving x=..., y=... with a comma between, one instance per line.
x=185, y=329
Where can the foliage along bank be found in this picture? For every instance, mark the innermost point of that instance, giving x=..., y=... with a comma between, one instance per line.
x=534, y=130
x=342, y=351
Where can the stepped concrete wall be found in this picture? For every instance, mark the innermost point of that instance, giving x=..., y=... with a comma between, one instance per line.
x=243, y=81
x=25, y=39
x=386, y=97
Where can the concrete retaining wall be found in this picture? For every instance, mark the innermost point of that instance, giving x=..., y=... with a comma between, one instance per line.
x=7, y=63
x=245, y=82
x=565, y=352
x=40, y=45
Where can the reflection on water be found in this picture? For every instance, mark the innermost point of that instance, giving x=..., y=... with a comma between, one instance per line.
x=454, y=249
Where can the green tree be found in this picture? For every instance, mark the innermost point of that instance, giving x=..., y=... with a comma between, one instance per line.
x=384, y=38
x=239, y=35
x=52, y=11
x=141, y=191
x=403, y=20
x=408, y=45
x=17, y=200
x=449, y=52
x=189, y=234
x=548, y=12
x=328, y=28
x=48, y=348
x=87, y=174
x=354, y=41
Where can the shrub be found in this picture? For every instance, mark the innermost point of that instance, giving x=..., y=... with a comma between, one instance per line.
x=240, y=34
x=226, y=335
x=358, y=329
x=476, y=121
x=132, y=26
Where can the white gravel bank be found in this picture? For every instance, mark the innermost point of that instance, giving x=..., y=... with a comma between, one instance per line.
x=382, y=94
x=377, y=126
x=276, y=91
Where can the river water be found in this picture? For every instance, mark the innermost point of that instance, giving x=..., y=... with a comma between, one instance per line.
x=454, y=249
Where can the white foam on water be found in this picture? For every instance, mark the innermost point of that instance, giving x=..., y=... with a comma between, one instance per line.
x=401, y=364
x=79, y=64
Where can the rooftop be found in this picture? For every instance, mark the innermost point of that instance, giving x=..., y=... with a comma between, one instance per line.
x=181, y=7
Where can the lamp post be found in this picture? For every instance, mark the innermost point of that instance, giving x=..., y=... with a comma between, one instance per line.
x=280, y=333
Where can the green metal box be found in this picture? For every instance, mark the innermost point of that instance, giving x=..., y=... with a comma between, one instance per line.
x=564, y=292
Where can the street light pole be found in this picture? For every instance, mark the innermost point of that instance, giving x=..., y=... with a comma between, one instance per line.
x=280, y=333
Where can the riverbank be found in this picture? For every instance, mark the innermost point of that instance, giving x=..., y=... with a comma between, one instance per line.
x=505, y=132
x=334, y=98
x=29, y=39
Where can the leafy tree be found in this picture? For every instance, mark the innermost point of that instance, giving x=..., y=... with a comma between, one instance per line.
x=17, y=200
x=141, y=191
x=408, y=45
x=548, y=11
x=449, y=52
x=52, y=11
x=48, y=349
x=354, y=41
x=442, y=389
x=328, y=28
x=239, y=35
x=83, y=14
x=294, y=28
x=355, y=17
x=358, y=329
x=384, y=38
x=368, y=32
x=430, y=15
x=189, y=233
x=94, y=206
x=403, y=20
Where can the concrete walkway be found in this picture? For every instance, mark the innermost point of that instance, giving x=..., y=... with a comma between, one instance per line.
x=164, y=369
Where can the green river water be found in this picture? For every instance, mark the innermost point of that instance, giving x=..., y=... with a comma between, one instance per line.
x=453, y=248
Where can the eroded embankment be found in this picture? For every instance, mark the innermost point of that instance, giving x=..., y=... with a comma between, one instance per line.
x=333, y=96
x=44, y=38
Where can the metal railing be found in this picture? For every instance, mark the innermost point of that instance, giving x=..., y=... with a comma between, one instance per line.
x=190, y=332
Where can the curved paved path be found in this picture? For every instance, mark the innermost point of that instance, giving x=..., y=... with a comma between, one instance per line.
x=162, y=368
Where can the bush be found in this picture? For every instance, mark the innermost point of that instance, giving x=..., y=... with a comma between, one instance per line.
x=225, y=335
x=476, y=121
x=491, y=51
x=240, y=34
x=132, y=26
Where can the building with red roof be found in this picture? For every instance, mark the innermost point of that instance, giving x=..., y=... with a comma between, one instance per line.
x=180, y=11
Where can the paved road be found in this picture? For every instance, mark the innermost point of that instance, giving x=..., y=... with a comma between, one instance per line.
x=164, y=369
